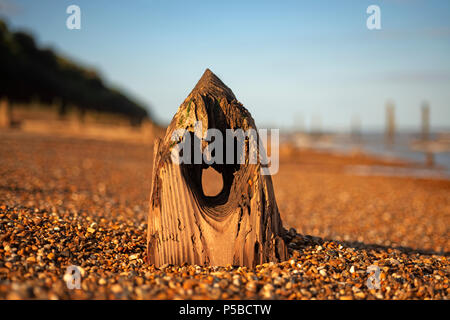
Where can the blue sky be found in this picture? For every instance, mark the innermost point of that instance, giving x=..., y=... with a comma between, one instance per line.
x=286, y=61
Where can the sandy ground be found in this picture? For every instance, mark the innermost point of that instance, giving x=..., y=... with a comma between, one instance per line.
x=69, y=201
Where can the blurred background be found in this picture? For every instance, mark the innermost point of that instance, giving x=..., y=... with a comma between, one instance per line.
x=312, y=69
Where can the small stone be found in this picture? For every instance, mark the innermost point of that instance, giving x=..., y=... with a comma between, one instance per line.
x=278, y=281
x=267, y=294
x=223, y=284
x=292, y=232
x=116, y=289
x=189, y=284
x=251, y=286
x=65, y=253
x=360, y=295
x=268, y=287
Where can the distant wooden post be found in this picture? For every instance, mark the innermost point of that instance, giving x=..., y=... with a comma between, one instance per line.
x=429, y=156
x=5, y=114
x=81, y=116
x=425, y=121
x=62, y=109
x=390, y=122
x=147, y=130
x=355, y=127
x=316, y=125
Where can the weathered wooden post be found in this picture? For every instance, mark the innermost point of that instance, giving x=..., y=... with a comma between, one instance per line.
x=355, y=128
x=5, y=114
x=147, y=129
x=429, y=156
x=241, y=225
x=425, y=121
x=390, y=122
x=316, y=125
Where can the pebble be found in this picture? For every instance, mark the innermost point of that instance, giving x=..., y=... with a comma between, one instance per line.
x=70, y=222
x=133, y=257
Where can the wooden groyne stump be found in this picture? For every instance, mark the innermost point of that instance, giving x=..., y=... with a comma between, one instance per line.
x=5, y=114
x=241, y=225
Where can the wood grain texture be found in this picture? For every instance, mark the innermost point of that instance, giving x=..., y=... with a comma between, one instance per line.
x=239, y=226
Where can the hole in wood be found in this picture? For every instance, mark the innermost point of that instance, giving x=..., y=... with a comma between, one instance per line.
x=212, y=182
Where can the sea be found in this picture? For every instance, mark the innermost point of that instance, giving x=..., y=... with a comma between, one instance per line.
x=403, y=145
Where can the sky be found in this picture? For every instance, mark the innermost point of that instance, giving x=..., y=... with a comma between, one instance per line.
x=303, y=64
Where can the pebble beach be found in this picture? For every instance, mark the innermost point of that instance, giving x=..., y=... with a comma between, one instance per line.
x=70, y=201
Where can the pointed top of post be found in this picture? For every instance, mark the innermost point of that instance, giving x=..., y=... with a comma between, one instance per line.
x=210, y=84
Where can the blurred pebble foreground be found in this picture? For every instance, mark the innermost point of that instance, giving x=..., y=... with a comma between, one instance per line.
x=79, y=201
